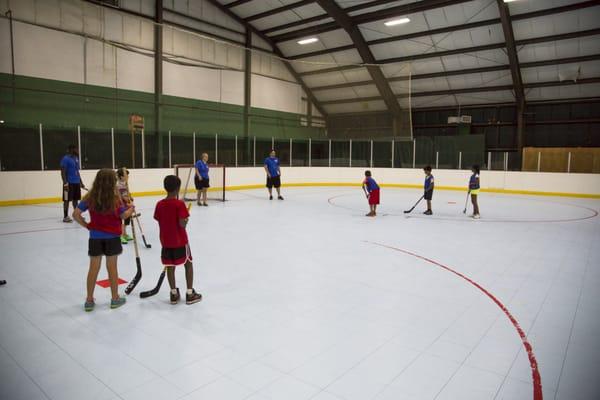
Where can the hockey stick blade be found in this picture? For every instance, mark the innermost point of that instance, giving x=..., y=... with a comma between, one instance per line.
x=136, y=279
x=413, y=207
x=156, y=289
x=148, y=245
x=2, y=283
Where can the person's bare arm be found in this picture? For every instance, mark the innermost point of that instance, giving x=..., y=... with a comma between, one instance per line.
x=128, y=213
x=78, y=217
x=63, y=175
x=183, y=222
x=267, y=171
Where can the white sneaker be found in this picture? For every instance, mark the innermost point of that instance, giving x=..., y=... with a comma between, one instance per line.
x=67, y=219
x=476, y=216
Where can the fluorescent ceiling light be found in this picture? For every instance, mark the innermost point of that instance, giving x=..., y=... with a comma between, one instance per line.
x=509, y=1
x=398, y=21
x=308, y=41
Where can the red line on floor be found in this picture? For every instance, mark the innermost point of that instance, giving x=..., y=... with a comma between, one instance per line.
x=535, y=372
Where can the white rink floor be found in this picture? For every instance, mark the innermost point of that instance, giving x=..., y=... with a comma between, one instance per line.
x=303, y=302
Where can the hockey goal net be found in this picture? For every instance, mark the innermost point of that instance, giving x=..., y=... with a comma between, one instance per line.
x=187, y=172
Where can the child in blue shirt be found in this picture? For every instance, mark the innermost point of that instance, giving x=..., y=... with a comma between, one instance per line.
x=372, y=189
x=429, y=184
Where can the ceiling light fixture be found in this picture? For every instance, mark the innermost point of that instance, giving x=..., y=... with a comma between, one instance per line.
x=308, y=41
x=509, y=1
x=397, y=21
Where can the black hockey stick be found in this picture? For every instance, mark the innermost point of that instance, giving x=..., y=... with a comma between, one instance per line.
x=138, y=273
x=413, y=207
x=148, y=246
x=466, y=202
x=2, y=283
x=156, y=289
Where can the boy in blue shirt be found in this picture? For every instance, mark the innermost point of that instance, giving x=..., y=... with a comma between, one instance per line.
x=273, y=175
x=202, y=179
x=474, y=186
x=428, y=189
x=72, y=184
x=372, y=189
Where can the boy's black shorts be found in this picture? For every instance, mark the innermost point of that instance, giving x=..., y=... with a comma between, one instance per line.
x=274, y=182
x=428, y=195
x=72, y=193
x=201, y=183
x=105, y=247
x=127, y=221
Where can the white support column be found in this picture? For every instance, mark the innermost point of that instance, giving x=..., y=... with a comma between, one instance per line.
x=330, y=152
x=112, y=146
x=371, y=163
x=437, y=160
x=569, y=163
x=489, y=160
x=79, y=146
x=41, y=147
x=143, y=149
x=506, y=160
x=254, y=153
x=170, y=163
x=236, y=151
x=309, y=152
x=414, y=153
x=350, y=155
x=460, y=160
x=539, y=163
x=216, y=148
x=393, y=152
x=291, y=152
x=194, y=147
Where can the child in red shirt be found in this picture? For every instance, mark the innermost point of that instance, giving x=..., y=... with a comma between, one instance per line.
x=372, y=189
x=106, y=215
x=172, y=216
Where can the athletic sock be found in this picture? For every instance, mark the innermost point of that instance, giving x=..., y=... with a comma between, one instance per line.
x=173, y=291
x=190, y=291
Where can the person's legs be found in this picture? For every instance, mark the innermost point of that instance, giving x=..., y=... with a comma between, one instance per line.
x=65, y=209
x=171, y=276
x=475, y=205
x=92, y=277
x=374, y=209
x=189, y=275
x=113, y=276
x=428, y=205
x=204, y=195
x=199, y=197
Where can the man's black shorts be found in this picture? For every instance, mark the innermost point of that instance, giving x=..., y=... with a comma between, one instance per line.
x=105, y=247
x=274, y=182
x=428, y=195
x=73, y=192
x=201, y=183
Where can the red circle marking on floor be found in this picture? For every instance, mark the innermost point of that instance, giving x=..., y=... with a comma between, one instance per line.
x=535, y=372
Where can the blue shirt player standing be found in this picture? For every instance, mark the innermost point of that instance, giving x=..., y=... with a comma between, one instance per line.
x=72, y=183
x=273, y=175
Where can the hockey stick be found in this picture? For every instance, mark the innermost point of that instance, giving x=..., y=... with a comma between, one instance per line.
x=156, y=289
x=148, y=246
x=466, y=202
x=2, y=283
x=413, y=207
x=366, y=193
x=138, y=263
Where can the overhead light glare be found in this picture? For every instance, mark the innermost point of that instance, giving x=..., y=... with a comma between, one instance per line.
x=397, y=21
x=308, y=41
x=509, y=1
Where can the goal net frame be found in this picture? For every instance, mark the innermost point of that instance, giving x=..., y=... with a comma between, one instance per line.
x=188, y=192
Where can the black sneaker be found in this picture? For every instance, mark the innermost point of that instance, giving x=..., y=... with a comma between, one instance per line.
x=270, y=197
x=192, y=298
x=428, y=212
x=175, y=297
x=280, y=197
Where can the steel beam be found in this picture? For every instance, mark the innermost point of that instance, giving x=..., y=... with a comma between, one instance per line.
x=158, y=78
x=344, y=20
x=278, y=10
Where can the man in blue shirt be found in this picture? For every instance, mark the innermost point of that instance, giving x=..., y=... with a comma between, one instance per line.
x=72, y=183
x=202, y=180
x=273, y=175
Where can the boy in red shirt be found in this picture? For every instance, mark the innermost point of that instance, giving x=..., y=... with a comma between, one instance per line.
x=372, y=189
x=172, y=216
